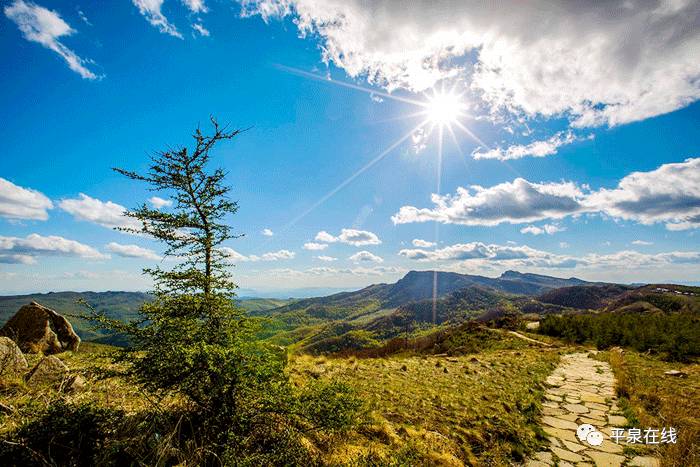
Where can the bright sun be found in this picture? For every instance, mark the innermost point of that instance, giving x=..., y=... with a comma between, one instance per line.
x=444, y=108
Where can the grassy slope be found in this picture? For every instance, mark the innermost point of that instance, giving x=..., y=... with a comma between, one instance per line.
x=656, y=400
x=435, y=410
x=87, y=361
x=425, y=409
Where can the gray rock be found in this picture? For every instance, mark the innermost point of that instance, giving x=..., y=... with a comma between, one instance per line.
x=49, y=370
x=12, y=361
x=75, y=383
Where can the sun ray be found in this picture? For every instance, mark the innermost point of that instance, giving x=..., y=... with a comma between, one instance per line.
x=470, y=133
x=323, y=79
x=438, y=189
x=359, y=172
x=422, y=113
x=454, y=139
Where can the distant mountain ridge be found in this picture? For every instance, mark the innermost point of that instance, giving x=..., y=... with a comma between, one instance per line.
x=418, y=285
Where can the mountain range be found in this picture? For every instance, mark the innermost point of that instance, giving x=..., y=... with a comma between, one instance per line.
x=419, y=300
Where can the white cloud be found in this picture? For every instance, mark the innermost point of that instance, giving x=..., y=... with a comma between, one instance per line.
x=17, y=259
x=132, y=251
x=84, y=17
x=199, y=27
x=365, y=256
x=423, y=243
x=594, y=62
x=485, y=255
x=419, y=140
x=152, y=11
x=270, y=256
x=515, y=202
x=642, y=243
x=634, y=259
x=350, y=237
x=37, y=245
x=46, y=27
x=195, y=6
x=684, y=225
x=278, y=255
x=324, y=236
x=315, y=246
x=669, y=194
x=267, y=232
x=327, y=258
x=328, y=271
x=514, y=255
x=564, y=245
x=17, y=202
x=549, y=229
x=232, y=254
x=107, y=214
x=160, y=203
x=544, y=148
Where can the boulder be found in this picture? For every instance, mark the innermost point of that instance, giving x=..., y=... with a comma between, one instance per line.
x=75, y=383
x=38, y=329
x=12, y=361
x=49, y=370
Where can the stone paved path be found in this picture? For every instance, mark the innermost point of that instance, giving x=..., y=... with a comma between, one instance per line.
x=581, y=390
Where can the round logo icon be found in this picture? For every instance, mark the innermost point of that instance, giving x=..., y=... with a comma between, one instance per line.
x=583, y=431
x=595, y=438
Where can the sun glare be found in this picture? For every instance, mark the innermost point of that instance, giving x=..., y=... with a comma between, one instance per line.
x=444, y=108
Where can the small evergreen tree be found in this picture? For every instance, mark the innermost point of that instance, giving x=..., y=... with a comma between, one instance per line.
x=193, y=340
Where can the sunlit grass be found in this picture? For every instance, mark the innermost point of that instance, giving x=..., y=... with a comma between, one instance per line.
x=657, y=400
x=472, y=409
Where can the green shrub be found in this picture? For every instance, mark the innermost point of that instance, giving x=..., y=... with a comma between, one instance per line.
x=63, y=434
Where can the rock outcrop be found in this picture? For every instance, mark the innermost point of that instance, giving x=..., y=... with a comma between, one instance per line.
x=12, y=361
x=49, y=370
x=38, y=329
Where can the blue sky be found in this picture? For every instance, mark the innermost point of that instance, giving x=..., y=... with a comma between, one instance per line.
x=586, y=164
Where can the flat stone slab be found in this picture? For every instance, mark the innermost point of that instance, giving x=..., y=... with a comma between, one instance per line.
x=576, y=408
x=559, y=423
x=553, y=397
x=552, y=411
x=591, y=397
x=533, y=463
x=567, y=455
x=617, y=420
x=573, y=447
x=561, y=434
x=644, y=461
x=604, y=459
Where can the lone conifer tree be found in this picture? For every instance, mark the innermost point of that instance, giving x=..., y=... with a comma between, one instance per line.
x=194, y=341
x=194, y=230
x=191, y=338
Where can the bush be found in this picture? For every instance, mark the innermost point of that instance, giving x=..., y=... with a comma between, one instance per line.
x=64, y=434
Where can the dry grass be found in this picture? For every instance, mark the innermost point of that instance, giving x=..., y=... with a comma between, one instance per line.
x=656, y=400
x=479, y=409
x=26, y=400
x=434, y=410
